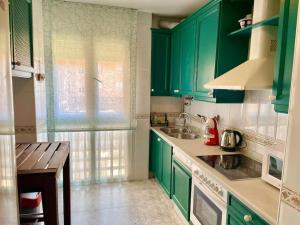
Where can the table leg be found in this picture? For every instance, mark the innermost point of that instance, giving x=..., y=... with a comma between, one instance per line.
x=50, y=202
x=67, y=192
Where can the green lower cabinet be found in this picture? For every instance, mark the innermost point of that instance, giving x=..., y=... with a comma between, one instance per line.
x=181, y=188
x=239, y=214
x=161, y=161
x=166, y=167
x=285, y=54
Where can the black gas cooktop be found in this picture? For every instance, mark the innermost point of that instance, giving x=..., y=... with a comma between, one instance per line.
x=234, y=167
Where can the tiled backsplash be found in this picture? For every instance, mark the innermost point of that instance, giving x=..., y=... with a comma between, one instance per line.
x=165, y=104
x=256, y=118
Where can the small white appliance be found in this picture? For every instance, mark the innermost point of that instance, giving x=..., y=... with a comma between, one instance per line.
x=272, y=168
x=209, y=200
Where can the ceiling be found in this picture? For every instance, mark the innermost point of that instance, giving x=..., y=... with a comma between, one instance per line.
x=172, y=8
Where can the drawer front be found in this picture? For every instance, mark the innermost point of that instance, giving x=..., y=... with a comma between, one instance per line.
x=182, y=158
x=238, y=213
x=231, y=220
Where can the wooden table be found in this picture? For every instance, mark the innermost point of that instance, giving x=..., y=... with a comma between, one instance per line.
x=38, y=167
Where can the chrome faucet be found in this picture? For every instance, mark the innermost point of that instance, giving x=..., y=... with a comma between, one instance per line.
x=185, y=116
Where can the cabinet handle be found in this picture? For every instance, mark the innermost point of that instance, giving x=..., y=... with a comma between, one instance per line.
x=40, y=76
x=18, y=63
x=272, y=97
x=248, y=218
x=176, y=91
x=158, y=139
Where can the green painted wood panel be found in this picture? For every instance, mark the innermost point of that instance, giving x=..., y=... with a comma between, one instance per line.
x=181, y=188
x=160, y=62
x=207, y=43
x=187, y=59
x=21, y=35
x=236, y=211
x=166, y=167
x=175, y=63
x=285, y=54
x=158, y=158
x=161, y=161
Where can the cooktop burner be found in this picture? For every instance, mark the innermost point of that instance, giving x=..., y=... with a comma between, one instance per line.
x=234, y=167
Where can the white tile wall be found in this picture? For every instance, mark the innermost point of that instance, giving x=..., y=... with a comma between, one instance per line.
x=256, y=116
x=165, y=104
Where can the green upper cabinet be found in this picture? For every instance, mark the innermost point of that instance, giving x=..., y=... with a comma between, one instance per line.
x=216, y=52
x=160, y=62
x=285, y=54
x=21, y=37
x=187, y=58
x=201, y=50
x=175, y=81
x=207, y=43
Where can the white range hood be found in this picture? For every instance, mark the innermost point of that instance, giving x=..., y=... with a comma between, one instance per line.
x=257, y=73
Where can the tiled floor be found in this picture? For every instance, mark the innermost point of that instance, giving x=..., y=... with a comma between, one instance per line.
x=129, y=203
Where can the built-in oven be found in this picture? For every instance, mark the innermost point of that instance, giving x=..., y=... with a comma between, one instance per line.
x=209, y=200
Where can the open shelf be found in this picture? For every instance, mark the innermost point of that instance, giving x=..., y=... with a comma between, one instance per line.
x=245, y=32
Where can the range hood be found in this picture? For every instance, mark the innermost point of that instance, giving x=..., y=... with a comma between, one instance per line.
x=257, y=73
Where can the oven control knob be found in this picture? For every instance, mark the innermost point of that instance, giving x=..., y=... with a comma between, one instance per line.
x=221, y=192
x=216, y=188
x=197, y=172
x=248, y=218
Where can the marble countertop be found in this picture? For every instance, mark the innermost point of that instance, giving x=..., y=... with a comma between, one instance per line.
x=258, y=195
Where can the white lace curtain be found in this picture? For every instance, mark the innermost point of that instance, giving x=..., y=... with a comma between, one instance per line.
x=90, y=54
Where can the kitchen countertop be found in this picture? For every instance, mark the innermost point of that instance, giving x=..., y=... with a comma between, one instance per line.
x=258, y=195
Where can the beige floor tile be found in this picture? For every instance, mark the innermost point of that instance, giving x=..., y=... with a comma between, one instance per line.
x=127, y=203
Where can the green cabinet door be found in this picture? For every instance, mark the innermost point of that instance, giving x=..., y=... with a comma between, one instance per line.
x=181, y=188
x=238, y=213
x=21, y=37
x=160, y=62
x=157, y=158
x=161, y=161
x=155, y=155
x=187, y=58
x=166, y=167
x=175, y=63
x=285, y=54
x=207, y=43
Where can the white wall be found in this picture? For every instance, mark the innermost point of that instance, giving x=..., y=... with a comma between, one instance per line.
x=290, y=198
x=8, y=194
x=30, y=94
x=143, y=77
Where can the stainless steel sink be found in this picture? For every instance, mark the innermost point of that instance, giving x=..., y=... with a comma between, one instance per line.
x=180, y=133
x=185, y=135
x=172, y=130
